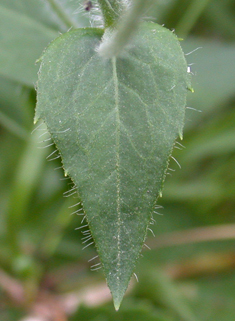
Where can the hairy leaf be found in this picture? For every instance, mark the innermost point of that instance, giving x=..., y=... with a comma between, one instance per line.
x=115, y=122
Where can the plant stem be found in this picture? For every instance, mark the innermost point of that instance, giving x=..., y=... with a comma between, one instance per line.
x=111, y=10
x=127, y=26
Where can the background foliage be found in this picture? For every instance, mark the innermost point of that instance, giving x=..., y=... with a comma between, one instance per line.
x=189, y=273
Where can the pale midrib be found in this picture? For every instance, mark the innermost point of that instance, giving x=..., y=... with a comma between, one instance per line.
x=116, y=96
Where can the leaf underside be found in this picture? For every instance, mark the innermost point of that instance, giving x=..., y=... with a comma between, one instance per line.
x=115, y=122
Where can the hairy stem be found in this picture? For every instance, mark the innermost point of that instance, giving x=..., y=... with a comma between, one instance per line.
x=125, y=29
x=111, y=10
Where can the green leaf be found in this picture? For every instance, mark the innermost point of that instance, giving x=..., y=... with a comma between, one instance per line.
x=22, y=40
x=35, y=10
x=55, y=14
x=115, y=122
x=12, y=97
x=158, y=287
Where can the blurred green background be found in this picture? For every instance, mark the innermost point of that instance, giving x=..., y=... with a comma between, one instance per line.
x=189, y=273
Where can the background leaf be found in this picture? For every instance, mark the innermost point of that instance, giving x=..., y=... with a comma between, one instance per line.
x=30, y=37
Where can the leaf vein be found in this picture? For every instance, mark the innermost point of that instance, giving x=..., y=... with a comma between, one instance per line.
x=115, y=80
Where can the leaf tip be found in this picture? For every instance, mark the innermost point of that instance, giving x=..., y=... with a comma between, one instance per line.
x=117, y=287
x=117, y=302
x=117, y=306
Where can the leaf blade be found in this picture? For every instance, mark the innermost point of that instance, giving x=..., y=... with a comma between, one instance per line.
x=115, y=123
